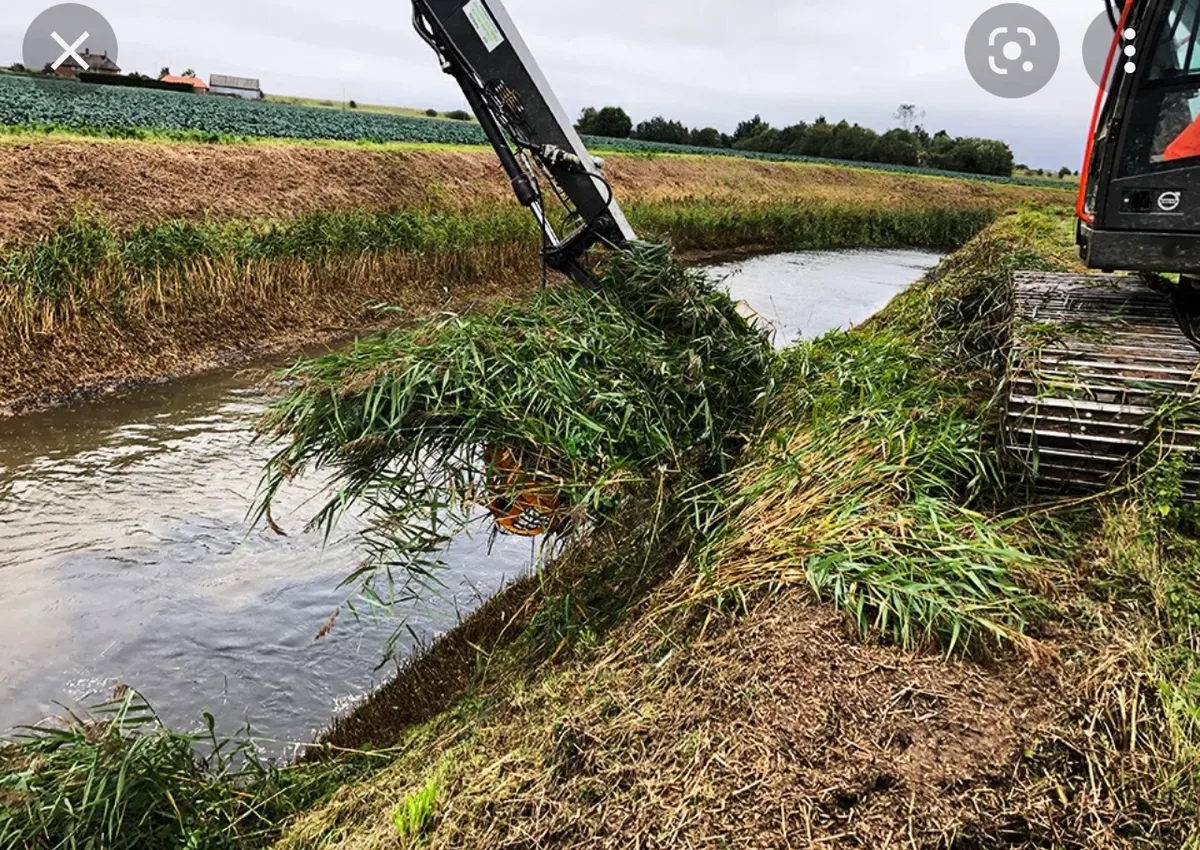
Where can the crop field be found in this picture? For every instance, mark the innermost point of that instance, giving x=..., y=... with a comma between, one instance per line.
x=28, y=101
x=122, y=112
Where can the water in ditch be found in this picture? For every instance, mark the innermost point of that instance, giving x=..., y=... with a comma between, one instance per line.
x=125, y=555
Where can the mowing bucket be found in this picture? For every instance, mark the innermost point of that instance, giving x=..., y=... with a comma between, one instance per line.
x=534, y=510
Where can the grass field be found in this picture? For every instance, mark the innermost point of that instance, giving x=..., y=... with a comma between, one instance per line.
x=365, y=107
x=131, y=112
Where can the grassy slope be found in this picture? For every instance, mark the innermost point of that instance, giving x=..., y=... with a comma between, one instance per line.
x=188, y=251
x=719, y=701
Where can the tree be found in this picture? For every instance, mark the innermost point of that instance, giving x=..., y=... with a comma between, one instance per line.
x=48, y=68
x=908, y=115
x=816, y=140
x=432, y=113
x=768, y=141
x=897, y=147
x=458, y=115
x=709, y=137
x=747, y=129
x=190, y=72
x=1065, y=171
x=659, y=129
x=611, y=121
x=974, y=156
x=165, y=72
x=851, y=142
x=353, y=104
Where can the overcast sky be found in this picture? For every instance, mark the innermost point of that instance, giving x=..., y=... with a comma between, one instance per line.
x=705, y=62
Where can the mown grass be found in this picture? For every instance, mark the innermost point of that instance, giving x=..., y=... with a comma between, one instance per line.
x=597, y=144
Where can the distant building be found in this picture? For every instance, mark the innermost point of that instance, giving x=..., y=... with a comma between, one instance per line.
x=246, y=88
x=98, y=62
x=197, y=84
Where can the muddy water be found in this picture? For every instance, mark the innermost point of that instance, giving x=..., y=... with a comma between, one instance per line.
x=125, y=555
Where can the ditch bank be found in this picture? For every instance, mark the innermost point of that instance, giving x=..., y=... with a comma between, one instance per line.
x=122, y=262
x=857, y=635
x=869, y=642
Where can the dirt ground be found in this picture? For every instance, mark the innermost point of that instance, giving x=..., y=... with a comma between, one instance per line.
x=42, y=182
x=784, y=731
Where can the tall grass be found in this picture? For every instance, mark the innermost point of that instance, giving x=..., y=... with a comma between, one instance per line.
x=870, y=482
x=712, y=225
x=592, y=392
x=87, y=268
x=115, y=778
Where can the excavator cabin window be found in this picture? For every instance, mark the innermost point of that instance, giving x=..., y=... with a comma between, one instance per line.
x=1164, y=125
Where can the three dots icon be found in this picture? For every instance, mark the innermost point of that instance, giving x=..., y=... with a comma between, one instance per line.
x=1130, y=50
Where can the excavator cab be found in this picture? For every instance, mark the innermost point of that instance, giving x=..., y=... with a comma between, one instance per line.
x=1139, y=204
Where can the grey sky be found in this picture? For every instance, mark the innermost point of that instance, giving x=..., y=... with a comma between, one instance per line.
x=701, y=61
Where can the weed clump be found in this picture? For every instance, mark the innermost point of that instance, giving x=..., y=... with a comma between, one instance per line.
x=870, y=481
x=117, y=778
x=576, y=396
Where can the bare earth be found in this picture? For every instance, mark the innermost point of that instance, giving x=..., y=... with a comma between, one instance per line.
x=132, y=182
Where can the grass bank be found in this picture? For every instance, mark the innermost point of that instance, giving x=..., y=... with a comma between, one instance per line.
x=270, y=249
x=862, y=639
x=854, y=635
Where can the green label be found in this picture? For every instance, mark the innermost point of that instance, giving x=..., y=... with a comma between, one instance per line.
x=484, y=24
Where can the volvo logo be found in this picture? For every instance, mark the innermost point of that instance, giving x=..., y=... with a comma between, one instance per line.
x=1169, y=201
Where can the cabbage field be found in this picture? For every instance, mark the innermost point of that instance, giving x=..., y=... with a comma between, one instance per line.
x=29, y=101
x=26, y=100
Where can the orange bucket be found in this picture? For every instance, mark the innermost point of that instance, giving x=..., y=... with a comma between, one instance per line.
x=530, y=513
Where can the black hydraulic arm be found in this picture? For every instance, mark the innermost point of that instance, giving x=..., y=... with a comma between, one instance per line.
x=480, y=47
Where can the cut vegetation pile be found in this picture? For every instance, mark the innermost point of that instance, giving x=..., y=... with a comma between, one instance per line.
x=729, y=707
x=575, y=397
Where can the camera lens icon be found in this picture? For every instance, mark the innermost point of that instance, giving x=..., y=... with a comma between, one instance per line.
x=1012, y=50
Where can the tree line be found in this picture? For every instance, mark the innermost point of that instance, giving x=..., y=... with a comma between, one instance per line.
x=909, y=144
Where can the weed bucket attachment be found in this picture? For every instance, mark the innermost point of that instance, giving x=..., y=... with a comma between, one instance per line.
x=519, y=504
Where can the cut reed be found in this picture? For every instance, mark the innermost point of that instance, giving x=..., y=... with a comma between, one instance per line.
x=591, y=392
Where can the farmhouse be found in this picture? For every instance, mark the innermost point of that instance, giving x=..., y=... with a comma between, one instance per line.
x=97, y=62
x=198, y=85
x=246, y=88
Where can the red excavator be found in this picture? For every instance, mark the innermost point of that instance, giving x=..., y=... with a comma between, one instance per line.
x=1107, y=352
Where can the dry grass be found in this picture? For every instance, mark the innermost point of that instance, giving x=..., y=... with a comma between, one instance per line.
x=133, y=183
x=730, y=709
x=774, y=730
x=212, y=311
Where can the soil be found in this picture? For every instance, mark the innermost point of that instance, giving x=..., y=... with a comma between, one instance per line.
x=786, y=730
x=783, y=730
x=42, y=182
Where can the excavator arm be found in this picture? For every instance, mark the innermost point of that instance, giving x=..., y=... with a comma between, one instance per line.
x=552, y=173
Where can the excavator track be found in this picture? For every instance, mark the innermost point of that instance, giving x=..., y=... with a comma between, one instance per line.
x=1095, y=361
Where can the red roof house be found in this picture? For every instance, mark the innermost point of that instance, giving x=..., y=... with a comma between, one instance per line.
x=195, y=82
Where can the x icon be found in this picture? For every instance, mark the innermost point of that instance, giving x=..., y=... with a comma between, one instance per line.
x=69, y=51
